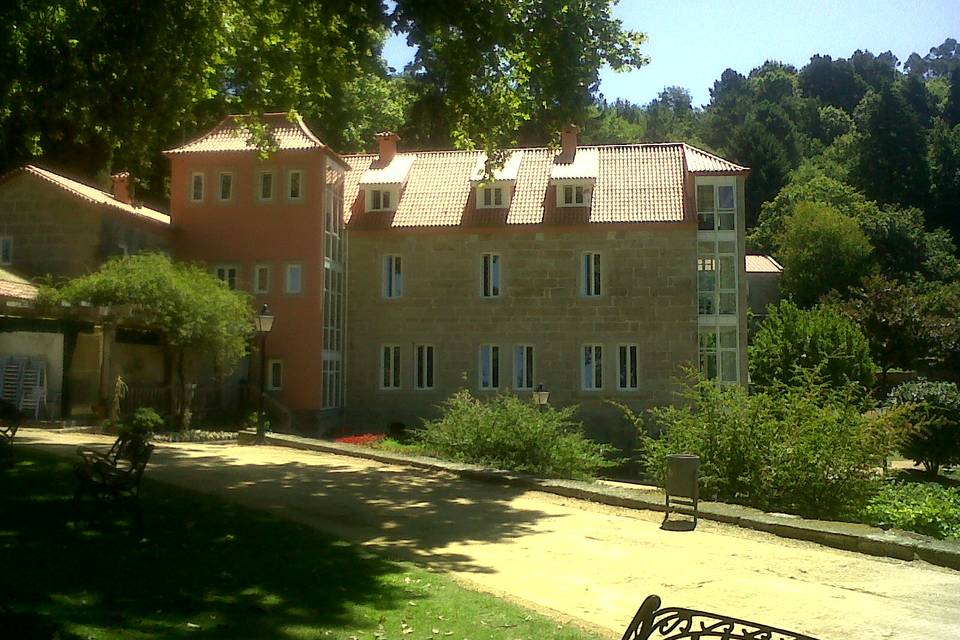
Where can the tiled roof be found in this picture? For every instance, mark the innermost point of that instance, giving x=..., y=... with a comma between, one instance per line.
x=13, y=286
x=231, y=135
x=762, y=264
x=699, y=161
x=634, y=183
x=92, y=194
x=395, y=172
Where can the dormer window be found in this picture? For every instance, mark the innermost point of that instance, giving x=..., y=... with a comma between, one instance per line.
x=381, y=200
x=573, y=194
x=493, y=197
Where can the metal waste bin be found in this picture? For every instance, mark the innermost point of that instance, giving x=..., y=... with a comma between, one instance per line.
x=683, y=482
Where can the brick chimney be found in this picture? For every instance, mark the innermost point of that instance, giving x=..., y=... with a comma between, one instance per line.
x=568, y=143
x=122, y=187
x=388, y=146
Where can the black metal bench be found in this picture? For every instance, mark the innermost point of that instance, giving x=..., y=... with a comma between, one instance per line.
x=113, y=477
x=674, y=623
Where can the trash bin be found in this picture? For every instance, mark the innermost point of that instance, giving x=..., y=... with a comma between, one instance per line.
x=683, y=482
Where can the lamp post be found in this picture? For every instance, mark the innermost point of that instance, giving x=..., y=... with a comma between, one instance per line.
x=540, y=397
x=264, y=325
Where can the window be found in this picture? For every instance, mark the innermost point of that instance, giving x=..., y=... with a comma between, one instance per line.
x=592, y=367
x=491, y=275
x=227, y=275
x=716, y=207
x=573, y=195
x=265, y=192
x=196, y=187
x=523, y=367
x=719, y=353
x=261, y=279
x=591, y=274
x=6, y=250
x=489, y=366
x=226, y=187
x=390, y=367
x=294, y=279
x=392, y=276
x=423, y=354
x=295, y=185
x=627, y=366
x=716, y=277
x=490, y=197
x=381, y=200
x=275, y=375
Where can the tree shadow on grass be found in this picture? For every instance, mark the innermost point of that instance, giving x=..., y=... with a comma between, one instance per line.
x=204, y=568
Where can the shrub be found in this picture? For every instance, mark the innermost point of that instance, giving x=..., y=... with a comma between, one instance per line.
x=927, y=508
x=932, y=433
x=144, y=423
x=509, y=433
x=791, y=340
x=803, y=449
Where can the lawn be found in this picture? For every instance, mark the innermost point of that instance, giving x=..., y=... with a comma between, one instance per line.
x=204, y=568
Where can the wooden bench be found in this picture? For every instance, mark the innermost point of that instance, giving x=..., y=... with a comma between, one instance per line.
x=113, y=477
x=674, y=623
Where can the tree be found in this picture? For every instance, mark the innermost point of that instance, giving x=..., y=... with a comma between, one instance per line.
x=893, y=317
x=822, y=250
x=792, y=341
x=833, y=83
x=193, y=310
x=933, y=436
x=944, y=159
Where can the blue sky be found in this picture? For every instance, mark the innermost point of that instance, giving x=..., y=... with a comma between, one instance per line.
x=691, y=42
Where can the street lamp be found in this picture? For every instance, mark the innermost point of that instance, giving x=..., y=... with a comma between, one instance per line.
x=264, y=325
x=540, y=397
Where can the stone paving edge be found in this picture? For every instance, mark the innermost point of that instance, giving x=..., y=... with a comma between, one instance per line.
x=861, y=538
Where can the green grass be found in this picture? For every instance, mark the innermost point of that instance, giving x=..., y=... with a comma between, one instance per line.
x=411, y=448
x=203, y=568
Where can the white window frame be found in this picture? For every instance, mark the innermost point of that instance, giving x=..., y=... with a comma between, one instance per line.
x=591, y=274
x=376, y=196
x=491, y=275
x=225, y=278
x=424, y=366
x=581, y=193
x=710, y=343
x=256, y=278
x=710, y=302
x=490, y=360
x=302, y=184
x=6, y=247
x=193, y=183
x=273, y=185
x=710, y=218
x=287, y=268
x=594, y=349
x=271, y=379
x=628, y=370
x=220, y=176
x=524, y=367
x=492, y=191
x=392, y=274
x=390, y=367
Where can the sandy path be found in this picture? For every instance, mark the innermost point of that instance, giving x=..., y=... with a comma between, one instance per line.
x=586, y=561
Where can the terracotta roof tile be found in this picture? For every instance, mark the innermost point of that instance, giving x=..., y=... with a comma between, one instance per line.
x=634, y=183
x=699, y=161
x=13, y=286
x=437, y=189
x=762, y=264
x=231, y=135
x=92, y=194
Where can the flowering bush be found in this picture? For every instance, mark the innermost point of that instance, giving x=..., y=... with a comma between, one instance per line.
x=364, y=439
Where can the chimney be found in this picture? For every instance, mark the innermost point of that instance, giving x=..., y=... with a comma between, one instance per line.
x=568, y=143
x=388, y=146
x=122, y=187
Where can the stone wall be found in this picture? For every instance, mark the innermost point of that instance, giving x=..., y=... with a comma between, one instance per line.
x=648, y=299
